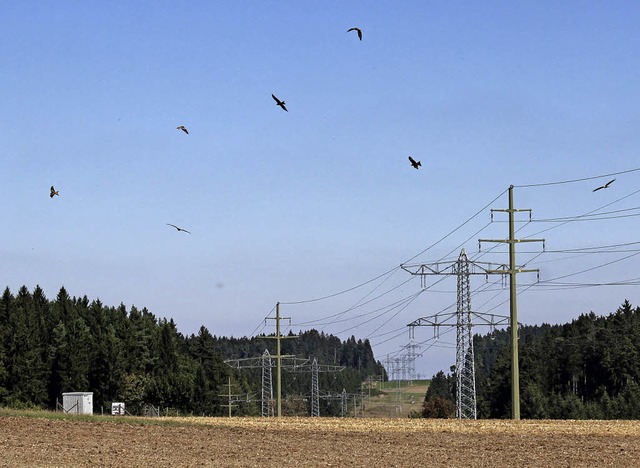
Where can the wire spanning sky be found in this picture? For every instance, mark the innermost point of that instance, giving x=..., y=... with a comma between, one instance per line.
x=298, y=205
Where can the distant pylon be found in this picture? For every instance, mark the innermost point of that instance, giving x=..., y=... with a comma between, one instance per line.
x=267, y=388
x=315, y=390
x=465, y=367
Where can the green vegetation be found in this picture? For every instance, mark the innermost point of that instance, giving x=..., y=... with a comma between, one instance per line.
x=71, y=344
x=586, y=369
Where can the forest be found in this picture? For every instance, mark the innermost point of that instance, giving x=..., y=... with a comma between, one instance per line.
x=586, y=369
x=70, y=344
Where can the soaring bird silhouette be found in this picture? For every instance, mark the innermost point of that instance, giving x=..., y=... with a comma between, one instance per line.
x=604, y=186
x=359, y=31
x=414, y=163
x=178, y=228
x=53, y=192
x=183, y=128
x=279, y=102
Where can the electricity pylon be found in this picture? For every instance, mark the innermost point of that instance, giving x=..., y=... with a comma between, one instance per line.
x=279, y=357
x=513, y=308
x=315, y=390
x=315, y=368
x=411, y=359
x=229, y=396
x=267, y=387
x=288, y=363
x=465, y=362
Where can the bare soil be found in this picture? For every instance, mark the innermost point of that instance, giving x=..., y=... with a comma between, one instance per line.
x=269, y=442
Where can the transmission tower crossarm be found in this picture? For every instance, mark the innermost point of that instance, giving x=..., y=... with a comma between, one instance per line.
x=507, y=241
x=516, y=270
x=279, y=357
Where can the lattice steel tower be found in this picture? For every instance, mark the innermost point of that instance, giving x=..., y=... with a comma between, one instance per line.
x=343, y=403
x=315, y=390
x=267, y=388
x=465, y=367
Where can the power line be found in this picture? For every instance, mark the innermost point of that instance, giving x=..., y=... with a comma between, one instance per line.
x=458, y=228
x=396, y=314
x=357, y=305
x=553, y=285
x=341, y=292
x=263, y=323
x=392, y=305
x=329, y=296
x=359, y=302
x=542, y=283
x=402, y=307
x=586, y=214
x=571, y=181
x=592, y=268
x=404, y=331
x=594, y=215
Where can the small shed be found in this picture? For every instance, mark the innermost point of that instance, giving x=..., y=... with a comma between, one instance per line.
x=117, y=409
x=77, y=402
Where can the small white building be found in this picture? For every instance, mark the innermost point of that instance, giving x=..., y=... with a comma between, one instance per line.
x=77, y=402
x=117, y=409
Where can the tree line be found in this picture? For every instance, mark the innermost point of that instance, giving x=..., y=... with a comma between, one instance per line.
x=48, y=347
x=586, y=369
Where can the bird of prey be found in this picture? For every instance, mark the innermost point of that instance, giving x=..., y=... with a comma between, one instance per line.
x=604, y=186
x=414, y=163
x=359, y=31
x=178, y=228
x=53, y=192
x=183, y=128
x=279, y=102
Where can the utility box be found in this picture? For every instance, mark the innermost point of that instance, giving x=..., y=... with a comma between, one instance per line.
x=77, y=402
x=117, y=409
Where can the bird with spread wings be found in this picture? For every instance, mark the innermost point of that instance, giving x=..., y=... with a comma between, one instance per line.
x=604, y=186
x=178, y=228
x=279, y=102
x=358, y=30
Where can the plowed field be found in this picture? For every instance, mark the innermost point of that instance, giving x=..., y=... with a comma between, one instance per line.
x=256, y=442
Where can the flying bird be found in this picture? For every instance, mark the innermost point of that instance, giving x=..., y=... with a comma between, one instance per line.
x=178, y=228
x=359, y=31
x=279, y=102
x=183, y=128
x=414, y=163
x=53, y=192
x=604, y=186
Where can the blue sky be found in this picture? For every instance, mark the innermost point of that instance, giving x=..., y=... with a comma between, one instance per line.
x=295, y=206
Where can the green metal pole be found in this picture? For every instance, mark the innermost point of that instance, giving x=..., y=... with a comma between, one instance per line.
x=229, y=396
x=278, y=362
x=515, y=371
